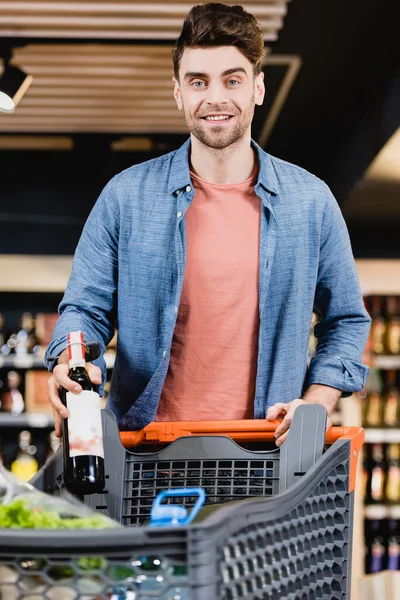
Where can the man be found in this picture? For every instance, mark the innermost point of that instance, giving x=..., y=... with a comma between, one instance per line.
x=213, y=258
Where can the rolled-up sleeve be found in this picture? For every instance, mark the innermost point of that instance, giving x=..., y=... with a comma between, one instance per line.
x=89, y=302
x=344, y=324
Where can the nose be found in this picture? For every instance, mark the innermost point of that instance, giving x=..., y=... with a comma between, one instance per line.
x=216, y=93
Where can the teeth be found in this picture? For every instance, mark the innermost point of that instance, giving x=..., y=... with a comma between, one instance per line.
x=218, y=118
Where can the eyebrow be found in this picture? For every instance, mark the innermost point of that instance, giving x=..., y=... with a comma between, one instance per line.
x=191, y=74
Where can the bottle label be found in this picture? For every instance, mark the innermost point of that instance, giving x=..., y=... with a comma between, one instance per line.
x=391, y=410
x=394, y=337
x=85, y=432
x=377, y=484
x=393, y=484
x=373, y=417
x=378, y=330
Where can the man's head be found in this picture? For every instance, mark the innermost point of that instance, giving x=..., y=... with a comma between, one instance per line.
x=217, y=72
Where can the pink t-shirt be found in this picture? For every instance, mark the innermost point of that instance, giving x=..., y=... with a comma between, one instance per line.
x=213, y=362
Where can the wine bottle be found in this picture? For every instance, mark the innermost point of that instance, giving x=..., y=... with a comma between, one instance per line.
x=392, y=484
x=83, y=449
x=393, y=326
x=391, y=404
x=375, y=534
x=377, y=475
x=373, y=410
x=393, y=542
x=378, y=326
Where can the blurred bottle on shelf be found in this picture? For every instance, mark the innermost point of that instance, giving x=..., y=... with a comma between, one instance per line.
x=45, y=323
x=391, y=401
x=3, y=336
x=11, y=398
x=373, y=410
x=392, y=479
x=24, y=341
x=393, y=539
x=378, y=326
x=375, y=492
x=393, y=325
x=372, y=400
x=375, y=536
x=25, y=465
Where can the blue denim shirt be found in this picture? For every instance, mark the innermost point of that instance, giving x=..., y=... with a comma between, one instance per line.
x=130, y=264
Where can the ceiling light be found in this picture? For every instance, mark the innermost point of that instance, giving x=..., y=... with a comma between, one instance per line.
x=13, y=85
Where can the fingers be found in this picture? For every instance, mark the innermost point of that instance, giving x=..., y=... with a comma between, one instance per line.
x=57, y=423
x=60, y=374
x=283, y=428
x=94, y=373
x=288, y=411
x=59, y=410
x=59, y=379
x=274, y=411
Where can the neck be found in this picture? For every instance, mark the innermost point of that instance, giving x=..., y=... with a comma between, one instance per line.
x=230, y=165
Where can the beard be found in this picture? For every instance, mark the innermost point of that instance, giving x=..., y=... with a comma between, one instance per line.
x=222, y=137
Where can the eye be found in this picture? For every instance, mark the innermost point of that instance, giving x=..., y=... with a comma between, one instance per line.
x=233, y=82
x=197, y=84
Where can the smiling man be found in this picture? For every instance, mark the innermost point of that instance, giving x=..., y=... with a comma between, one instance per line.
x=213, y=258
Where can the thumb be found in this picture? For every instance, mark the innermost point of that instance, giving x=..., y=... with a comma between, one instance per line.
x=94, y=373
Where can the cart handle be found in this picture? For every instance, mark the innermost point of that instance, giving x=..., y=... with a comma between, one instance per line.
x=241, y=431
x=250, y=430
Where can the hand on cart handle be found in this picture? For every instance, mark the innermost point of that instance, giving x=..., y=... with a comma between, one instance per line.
x=60, y=379
x=285, y=412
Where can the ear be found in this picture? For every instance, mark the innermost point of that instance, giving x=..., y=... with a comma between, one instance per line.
x=259, y=89
x=177, y=94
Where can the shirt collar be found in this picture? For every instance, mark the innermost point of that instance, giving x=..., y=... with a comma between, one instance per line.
x=180, y=176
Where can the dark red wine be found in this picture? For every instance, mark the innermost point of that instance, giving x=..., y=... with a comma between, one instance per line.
x=83, y=450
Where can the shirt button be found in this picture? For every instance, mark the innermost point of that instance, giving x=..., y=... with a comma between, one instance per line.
x=164, y=353
x=177, y=192
x=188, y=188
x=176, y=309
x=179, y=214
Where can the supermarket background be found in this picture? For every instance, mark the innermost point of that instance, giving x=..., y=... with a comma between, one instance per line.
x=101, y=100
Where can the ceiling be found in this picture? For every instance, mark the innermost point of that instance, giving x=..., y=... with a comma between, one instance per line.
x=125, y=19
x=102, y=82
x=113, y=87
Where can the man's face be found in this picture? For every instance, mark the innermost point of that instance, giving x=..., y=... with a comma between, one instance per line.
x=217, y=91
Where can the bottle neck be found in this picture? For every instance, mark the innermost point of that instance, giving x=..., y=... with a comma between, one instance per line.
x=78, y=369
x=76, y=349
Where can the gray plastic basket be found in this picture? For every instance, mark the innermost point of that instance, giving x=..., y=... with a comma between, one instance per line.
x=294, y=545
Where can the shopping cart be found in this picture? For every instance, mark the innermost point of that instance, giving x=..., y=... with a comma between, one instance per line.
x=290, y=539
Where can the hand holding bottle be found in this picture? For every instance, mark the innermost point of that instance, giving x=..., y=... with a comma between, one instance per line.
x=60, y=378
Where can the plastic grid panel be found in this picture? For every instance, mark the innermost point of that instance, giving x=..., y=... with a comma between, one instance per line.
x=223, y=480
x=89, y=578
x=301, y=556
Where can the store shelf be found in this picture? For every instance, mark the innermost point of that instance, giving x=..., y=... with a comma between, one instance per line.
x=386, y=362
x=26, y=421
x=382, y=436
x=34, y=273
x=23, y=361
x=379, y=277
x=30, y=361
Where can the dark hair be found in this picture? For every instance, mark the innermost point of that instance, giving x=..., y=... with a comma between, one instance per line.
x=217, y=24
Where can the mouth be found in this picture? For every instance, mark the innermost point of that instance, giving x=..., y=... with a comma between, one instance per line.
x=217, y=118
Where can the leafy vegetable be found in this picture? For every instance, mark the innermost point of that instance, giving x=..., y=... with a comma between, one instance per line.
x=17, y=515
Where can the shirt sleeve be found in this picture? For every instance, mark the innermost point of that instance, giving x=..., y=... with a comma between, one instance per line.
x=89, y=302
x=344, y=324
